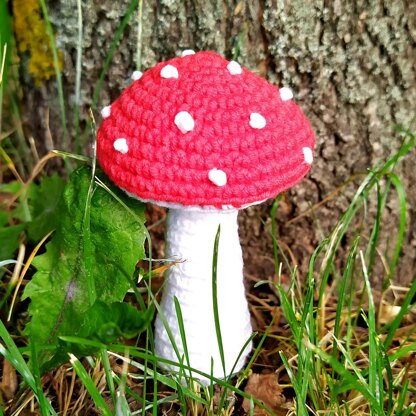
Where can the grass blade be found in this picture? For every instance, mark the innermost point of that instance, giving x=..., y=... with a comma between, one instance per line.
x=13, y=355
x=374, y=370
x=183, y=335
x=89, y=384
x=44, y=405
x=349, y=381
x=215, y=300
x=402, y=226
x=108, y=374
x=301, y=406
x=348, y=274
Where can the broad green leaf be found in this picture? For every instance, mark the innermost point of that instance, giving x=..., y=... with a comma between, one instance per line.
x=93, y=251
x=44, y=199
x=105, y=324
x=9, y=240
x=8, y=216
x=109, y=322
x=3, y=218
x=10, y=187
x=39, y=204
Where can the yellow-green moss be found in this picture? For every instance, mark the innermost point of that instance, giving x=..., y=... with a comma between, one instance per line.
x=32, y=38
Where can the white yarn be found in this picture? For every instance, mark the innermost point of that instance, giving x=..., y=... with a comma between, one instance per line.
x=136, y=75
x=188, y=52
x=190, y=237
x=286, y=93
x=169, y=71
x=234, y=68
x=217, y=177
x=121, y=145
x=106, y=111
x=257, y=121
x=308, y=155
x=184, y=121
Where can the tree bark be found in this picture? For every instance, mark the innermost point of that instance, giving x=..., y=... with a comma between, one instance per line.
x=351, y=65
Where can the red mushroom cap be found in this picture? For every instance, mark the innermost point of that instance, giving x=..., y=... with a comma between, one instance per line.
x=202, y=131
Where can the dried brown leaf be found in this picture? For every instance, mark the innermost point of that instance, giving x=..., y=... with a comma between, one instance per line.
x=8, y=385
x=266, y=389
x=388, y=312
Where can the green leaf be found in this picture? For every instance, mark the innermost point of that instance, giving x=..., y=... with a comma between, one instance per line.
x=39, y=203
x=90, y=385
x=9, y=216
x=10, y=187
x=9, y=237
x=3, y=218
x=5, y=37
x=109, y=322
x=44, y=200
x=104, y=324
x=93, y=252
x=9, y=350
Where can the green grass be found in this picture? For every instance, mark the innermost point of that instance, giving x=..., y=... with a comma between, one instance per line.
x=322, y=378
x=335, y=355
x=337, y=370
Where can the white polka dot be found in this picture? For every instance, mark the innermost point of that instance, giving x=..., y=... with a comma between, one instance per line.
x=286, y=93
x=121, y=146
x=257, y=121
x=169, y=71
x=136, y=75
x=188, y=52
x=184, y=122
x=308, y=155
x=234, y=68
x=217, y=177
x=105, y=112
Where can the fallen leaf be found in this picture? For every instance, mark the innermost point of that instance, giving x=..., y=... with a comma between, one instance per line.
x=265, y=389
x=8, y=385
x=388, y=312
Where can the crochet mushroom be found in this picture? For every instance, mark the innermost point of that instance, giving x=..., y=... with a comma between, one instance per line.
x=204, y=137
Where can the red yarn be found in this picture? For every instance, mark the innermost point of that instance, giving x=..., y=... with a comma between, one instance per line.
x=170, y=167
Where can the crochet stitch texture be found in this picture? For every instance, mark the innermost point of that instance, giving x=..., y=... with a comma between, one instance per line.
x=190, y=236
x=233, y=124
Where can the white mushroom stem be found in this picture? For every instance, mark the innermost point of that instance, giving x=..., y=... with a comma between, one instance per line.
x=190, y=238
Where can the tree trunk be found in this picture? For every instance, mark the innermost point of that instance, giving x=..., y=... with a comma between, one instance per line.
x=351, y=65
